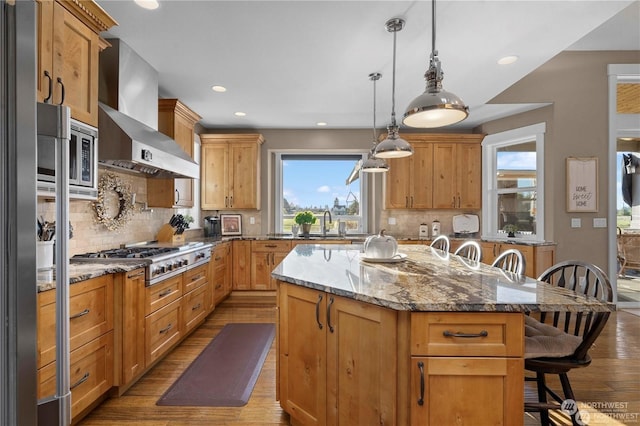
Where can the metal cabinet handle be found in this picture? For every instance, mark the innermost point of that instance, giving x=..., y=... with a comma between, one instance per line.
x=231, y=201
x=136, y=275
x=59, y=80
x=80, y=314
x=271, y=245
x=406, y=201
x=167, y=328
x=421, y=367
x=48, y=98
x=196, y=277
x=226, y=201
x=411, y=202
x=81, y=381
x=177, y=197
x=318, y=312
x=483, y=333
x=165, y=293
x=329, y=314
x=196, y=307
x=453, y=203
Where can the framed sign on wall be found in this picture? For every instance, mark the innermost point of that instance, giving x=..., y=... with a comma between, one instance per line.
x=582, y=184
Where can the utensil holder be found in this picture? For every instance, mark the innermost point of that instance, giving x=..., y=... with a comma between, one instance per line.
x=167, y=234
x=44, y=254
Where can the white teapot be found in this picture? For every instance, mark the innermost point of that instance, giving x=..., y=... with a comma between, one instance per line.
x=380, y=246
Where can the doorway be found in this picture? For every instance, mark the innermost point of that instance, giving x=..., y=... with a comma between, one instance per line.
x=624, y=211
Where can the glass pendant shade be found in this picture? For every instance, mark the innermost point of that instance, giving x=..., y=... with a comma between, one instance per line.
x=435, y=107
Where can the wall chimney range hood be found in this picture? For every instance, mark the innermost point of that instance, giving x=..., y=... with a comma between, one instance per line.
x=128, y=119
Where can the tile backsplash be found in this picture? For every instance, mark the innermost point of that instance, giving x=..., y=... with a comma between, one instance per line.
x=407, y=222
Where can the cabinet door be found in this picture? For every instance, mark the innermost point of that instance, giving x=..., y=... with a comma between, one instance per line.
x=461, y=390
x=469, y=175
x=75, y=57
x=421, y=177
x=397, y=183
x=489, y=251
x=132, y=347
x=214, y=177
x=241, y=265
x=261, y=266
x=245, y=176
x=361, y=372
x=44, y=17
x=302, y=377
x=444, y=175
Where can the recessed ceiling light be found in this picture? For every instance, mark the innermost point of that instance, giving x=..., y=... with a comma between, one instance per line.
x=219, y=89
x=148, y=4
x=507, y=60
x=240, y=113
x=321, y=123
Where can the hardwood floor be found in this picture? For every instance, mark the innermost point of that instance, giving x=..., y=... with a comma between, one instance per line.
x=613, y=378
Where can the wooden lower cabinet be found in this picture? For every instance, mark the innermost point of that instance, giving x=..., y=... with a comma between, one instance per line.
x=337, y=360
x=221, y=272
x=265, y=256
x=241, y=265
x=466, y=367
x=194, y=308
x=91, y=342
x=130, y=320
x=162, y=331
x=537, y=257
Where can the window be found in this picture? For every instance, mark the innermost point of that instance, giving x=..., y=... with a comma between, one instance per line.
x=316, y=182
x=513, y=175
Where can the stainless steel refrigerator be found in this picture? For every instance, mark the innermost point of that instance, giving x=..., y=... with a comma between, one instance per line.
x=18, y=211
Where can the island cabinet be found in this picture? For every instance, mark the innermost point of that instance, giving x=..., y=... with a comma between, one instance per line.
x=337, y=361
x=466, y=367
x=230, y=171
x=537, y=257
x=91, y=330
x=443, y=173
x=241, y=265
x=221, y=272
x=265, y=256
x=68, y=48
x=177, y=121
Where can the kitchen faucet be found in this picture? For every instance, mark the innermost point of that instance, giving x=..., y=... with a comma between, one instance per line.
x=324, y=221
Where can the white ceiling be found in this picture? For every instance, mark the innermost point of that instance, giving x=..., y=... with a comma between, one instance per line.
x=290, y=64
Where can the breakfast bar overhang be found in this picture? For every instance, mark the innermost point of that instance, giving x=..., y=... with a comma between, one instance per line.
x=431, y=339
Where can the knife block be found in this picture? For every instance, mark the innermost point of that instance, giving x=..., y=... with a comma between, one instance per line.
x=167, y=234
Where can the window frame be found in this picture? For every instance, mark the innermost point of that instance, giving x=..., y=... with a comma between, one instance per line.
x=277, y=219
x=490, y=146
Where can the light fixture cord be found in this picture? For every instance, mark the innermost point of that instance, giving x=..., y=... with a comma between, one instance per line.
x=393, y=82
x=374, y=111
x=433, y=27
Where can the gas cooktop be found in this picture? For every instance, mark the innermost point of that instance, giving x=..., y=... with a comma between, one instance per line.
x=130, y=252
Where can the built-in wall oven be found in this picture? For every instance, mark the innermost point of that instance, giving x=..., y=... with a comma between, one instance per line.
x=83, y=163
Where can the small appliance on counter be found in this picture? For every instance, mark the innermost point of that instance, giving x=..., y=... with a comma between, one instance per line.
x=466, y=226
x=423, y=232
x=435, y=228
x=212, y=227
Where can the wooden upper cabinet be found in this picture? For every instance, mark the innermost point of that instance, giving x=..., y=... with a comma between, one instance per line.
x=443, y=173
x=230, y=171
x=68, y=49
x=177, y=121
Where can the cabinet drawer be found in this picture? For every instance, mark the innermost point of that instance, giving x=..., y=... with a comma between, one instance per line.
x=90, y=315
x=194, y=308
x=467, y=334
x=91, y=373
x=195, y=277
x=271, y=246
x=163, y=293
x=162, y=331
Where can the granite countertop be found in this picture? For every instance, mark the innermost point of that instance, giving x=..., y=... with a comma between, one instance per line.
x=428, y=280
x=82, y=271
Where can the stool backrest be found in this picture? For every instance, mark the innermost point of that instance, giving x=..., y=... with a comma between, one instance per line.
x=441, y=243
x=471, y=250
x=511, y=260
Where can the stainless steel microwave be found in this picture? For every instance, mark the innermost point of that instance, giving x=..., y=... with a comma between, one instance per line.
x=83, y=162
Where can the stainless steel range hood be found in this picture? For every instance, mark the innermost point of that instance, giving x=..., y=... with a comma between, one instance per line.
x=128, y=119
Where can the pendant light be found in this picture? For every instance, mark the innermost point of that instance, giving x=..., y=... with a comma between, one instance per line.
x=393, y=146
x=374, y=164
x=435, y=107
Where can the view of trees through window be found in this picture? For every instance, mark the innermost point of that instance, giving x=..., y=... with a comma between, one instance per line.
x=316, y=183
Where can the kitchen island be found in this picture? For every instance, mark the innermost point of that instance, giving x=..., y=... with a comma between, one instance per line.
x=433, y=339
